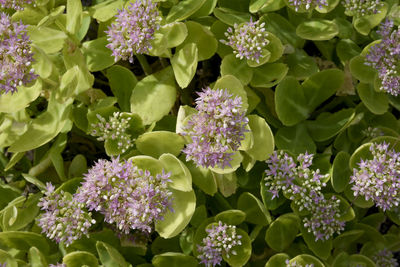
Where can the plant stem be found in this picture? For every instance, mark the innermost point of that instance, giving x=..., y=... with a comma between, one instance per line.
x=145, y=65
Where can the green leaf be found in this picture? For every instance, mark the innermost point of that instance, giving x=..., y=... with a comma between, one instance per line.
x=231, y=65
x=243, y=251
x=227, y=182
x=174, y=33
x=366, y=23
x=21, y=99
x=264, y=143
x=295, y=139
x=282, y=28
x=328, y=125
x=148, y=163
x=181, y=179
x=230, y=16
x=20, y=213
x=202, y=37
x=154, y=96
x=340, y=172
x=346, y=238
x=331, y=4
x=255, y=210
x=320, y=248
x=267, y=197
x=122, y=81
x=206, y=9
x=360, y=71
x=232, y=217
x=282, y=232
x=74, y=16
x=343, y=259
x=105, y=10
x=233, y=86
x=48, y=39
x=80, y=258
x=322, y=85
x=376, y=102
x=173, y=259
x=29, y=16
x=203, y=178
x=268, y=75
x=156, y=143
x=109, y=256
x=291, y=104
x=42, y=65
x=184, y=64
x=346, y=49
x=78, y=166
x=301, y=65
x=43, y=128
x=36, y=258
x=305, y=259
x=24, y=241
x=183, y=205
x=98, y=56
x=277, y=260
x=317, y=29
x=183, y=10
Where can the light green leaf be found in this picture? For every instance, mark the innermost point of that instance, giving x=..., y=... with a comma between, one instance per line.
x=231, y=65
x=36, y=258
x=184, y=64
x=183, y=10
x=106, y=9
x=156, y=143
x=181, y=179
x=80, y=258
x=122, y=81
x=184, y=205
x=317, y=30
x=19, y=100
x=264, y=143
x=74, y=16
x=98, y=56
x=109, y=256
x=48, y=39
x=174, y=259
x=268, y=75
x=154, y=96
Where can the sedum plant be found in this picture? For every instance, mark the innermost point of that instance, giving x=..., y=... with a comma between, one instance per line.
x=199, y=133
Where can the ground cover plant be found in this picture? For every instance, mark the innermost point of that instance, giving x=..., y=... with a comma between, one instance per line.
x=200, y=133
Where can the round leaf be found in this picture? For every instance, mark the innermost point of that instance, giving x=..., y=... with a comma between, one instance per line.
x=317, y=30
x=157, y=143
x=181, y=179
x=264, y=143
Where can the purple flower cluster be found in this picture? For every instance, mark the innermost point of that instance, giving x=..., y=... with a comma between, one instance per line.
x=307, y=4
x=220, y=240
x=113, y=129
x=15, y=4
x=361, y=8
x=295, y=264
x=385, y=57
x=16, y=56
x=247, y=40
x=133, y=30
x=65, y=218
x=303, y=186
x=127, y=196
x=216, y=130
x=384, y=258
x=378, y=178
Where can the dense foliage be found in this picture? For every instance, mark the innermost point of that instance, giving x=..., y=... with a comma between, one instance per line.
x=200, y=133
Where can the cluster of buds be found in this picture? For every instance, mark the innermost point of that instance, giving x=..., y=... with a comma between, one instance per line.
x=220, y=240
x=378, y=178
x=217, y=130
x=16, y=56
x=384, y=258
x=247, y=40
x=361, y=8
x=307, y=4
x=133, y=30
x=372, y=132
x=16, y=4
x=385, y=57
x=113, y=129
x=131, y=198
x=65, y=219
x=303, y=186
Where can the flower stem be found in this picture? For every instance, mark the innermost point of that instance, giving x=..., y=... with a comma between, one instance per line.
x=145, y=65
